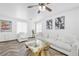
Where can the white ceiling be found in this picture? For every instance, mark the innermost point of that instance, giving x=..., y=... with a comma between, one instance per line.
x=56, y=8
x=20, y=10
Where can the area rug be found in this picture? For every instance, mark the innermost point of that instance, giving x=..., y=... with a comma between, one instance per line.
x=14, y=48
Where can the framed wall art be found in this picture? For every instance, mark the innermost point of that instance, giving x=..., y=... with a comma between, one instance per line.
x=60, y=22
x=49, y=24
x=5, y=26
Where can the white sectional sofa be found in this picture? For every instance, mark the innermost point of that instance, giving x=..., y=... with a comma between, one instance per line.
x=65, y=43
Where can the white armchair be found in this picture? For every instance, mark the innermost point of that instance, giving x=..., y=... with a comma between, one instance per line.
x=21, y=37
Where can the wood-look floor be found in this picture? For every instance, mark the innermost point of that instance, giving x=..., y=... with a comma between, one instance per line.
x=14, y=48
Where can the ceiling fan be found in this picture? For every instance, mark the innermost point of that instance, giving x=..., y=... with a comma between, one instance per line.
x=42, y=6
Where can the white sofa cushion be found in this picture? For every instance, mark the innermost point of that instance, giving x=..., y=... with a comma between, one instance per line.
x=39, y=35
x=46, y=36
x=66, y=39
x=53, y=36
x=62, y=45
x=22, y=37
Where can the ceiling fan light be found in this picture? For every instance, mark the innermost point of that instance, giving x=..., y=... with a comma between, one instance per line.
x=41, y=8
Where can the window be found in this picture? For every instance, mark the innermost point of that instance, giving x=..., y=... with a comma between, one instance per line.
x=38, y=27
x=21, y=27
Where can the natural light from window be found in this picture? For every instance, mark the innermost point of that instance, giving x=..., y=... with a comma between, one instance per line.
x=21, y=27
x=38, y=27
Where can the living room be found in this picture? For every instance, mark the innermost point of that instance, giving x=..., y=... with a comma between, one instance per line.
x=57, y=25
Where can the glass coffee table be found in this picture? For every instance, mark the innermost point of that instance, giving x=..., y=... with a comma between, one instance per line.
x=37, y=47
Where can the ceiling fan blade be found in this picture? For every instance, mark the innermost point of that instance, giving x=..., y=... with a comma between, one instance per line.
x=47, y=3
x=41, y=4
x=38, y=11
x=32, y=6
x=48, y=9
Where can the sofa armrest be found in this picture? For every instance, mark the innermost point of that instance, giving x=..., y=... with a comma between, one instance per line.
x=74, y=50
